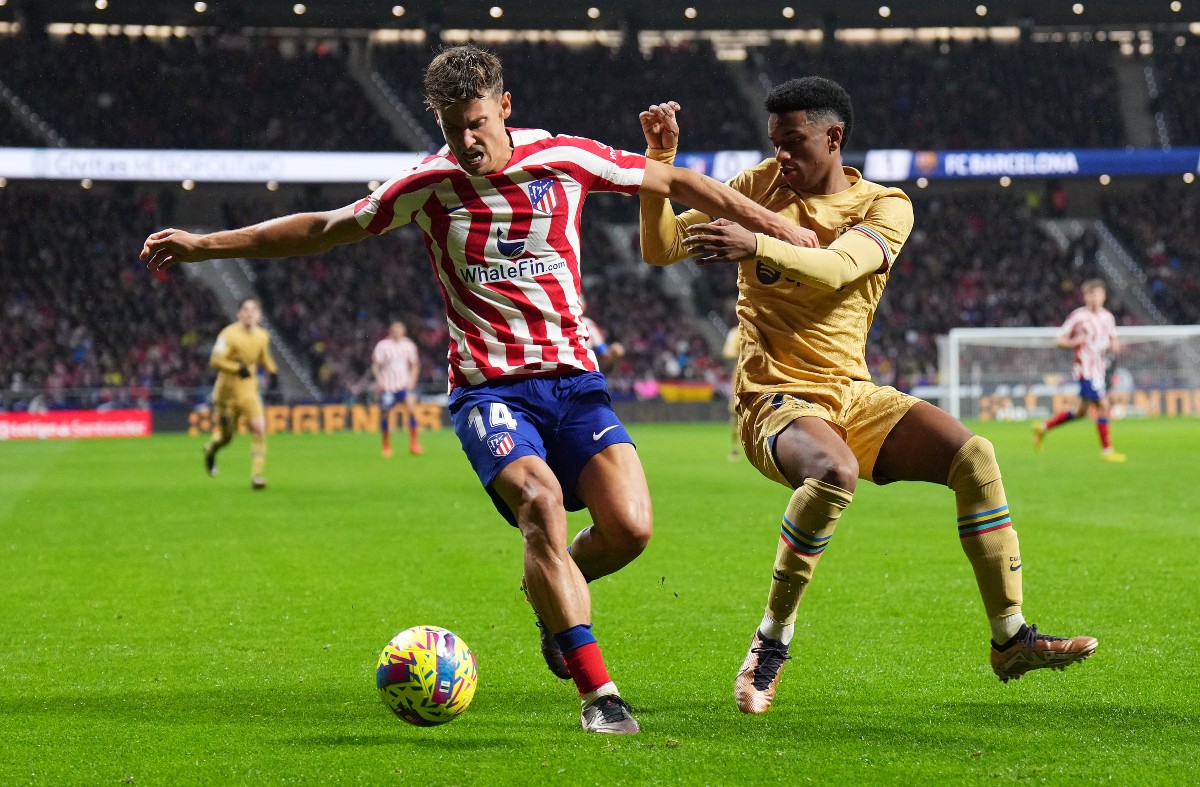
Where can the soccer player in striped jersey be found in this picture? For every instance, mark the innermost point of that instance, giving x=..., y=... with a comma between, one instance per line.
x=396, y=364
x=1091, y=331
x=500, y=210
x=811, y=419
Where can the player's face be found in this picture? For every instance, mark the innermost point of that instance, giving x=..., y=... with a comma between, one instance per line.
x=805, y=150
x=397, y=331
x=249, y=314
x=475, y=132
x=1095, y=297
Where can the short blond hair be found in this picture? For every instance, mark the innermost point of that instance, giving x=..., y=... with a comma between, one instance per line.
x=1093, y=284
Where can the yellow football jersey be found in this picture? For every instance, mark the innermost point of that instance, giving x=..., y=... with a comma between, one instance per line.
x=795, y=334
x=237, y=345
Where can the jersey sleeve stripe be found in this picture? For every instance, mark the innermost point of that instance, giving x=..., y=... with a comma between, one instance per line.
x=888, y=258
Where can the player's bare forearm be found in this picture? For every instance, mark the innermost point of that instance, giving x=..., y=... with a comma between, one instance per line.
x=298, y=234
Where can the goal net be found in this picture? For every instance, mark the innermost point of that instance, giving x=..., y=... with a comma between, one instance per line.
x=1019, y=373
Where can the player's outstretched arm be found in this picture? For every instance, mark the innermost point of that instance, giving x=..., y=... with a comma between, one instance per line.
x=300, y=233
x=662, y=232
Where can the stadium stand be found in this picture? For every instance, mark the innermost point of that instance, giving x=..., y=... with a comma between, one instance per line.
x=84, y=323
x=1179, y=91
x=1159, y=226
x=227, y=92
x=596, y=91
x=15, y=134
x=974, y=94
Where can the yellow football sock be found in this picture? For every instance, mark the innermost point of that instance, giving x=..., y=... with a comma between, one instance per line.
x=258, y=454
x=985, y=527
x=808, y=524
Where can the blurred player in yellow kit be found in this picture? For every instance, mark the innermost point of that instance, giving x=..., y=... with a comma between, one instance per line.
x=810, y=417
x=240, y=350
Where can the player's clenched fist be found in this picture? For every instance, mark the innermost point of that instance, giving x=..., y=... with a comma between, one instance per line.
x=167, y=247
x=659, y=125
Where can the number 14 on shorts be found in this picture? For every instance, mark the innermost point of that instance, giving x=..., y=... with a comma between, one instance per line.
x=500, y=444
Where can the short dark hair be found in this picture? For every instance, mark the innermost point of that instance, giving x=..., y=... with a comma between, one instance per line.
x=462, y=73
x=815, y=96
x=251, y=299
x=1093, y=284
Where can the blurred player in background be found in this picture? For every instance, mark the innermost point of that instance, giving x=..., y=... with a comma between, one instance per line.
x=396, y=365
x=1091, y=331
x=240, y=351
x=811, y=419
x=500, y=211
x=731, y=351
x=608, y=354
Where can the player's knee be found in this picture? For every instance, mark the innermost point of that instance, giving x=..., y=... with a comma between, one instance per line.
x=630, y=532
x=539, y=511
x=838, y=471
x=974, y=465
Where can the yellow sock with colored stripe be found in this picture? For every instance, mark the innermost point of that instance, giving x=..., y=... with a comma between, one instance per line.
x=985, y=528
x=258, y=454
x=808, y=524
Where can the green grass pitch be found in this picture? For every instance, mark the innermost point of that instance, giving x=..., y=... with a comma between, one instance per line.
x=163, y=627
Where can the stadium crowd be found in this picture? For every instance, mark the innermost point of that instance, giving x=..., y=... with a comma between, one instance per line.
x=973, y=94
x=81, y=312
x=1178, y=70
x=246, y=92
x=1161, y=228
x=212, y=92
x=83, y=322
x=597, y=91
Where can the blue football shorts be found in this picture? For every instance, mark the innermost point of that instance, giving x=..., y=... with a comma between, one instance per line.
x=1092, y=390
x=389, y=399
x=564, y=420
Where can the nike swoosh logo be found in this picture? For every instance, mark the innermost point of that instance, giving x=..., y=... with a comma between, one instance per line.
x=597, y=435
x=1017, y=567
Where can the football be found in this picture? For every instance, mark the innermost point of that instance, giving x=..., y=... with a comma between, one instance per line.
x=426, y=675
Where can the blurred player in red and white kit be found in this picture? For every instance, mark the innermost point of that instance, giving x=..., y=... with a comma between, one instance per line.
x=500, y=209
x=607, y=353
x=396, y=364
x=1091, y=331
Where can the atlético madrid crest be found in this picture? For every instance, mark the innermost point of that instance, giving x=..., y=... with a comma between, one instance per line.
x=500, y=444
x=541, y=195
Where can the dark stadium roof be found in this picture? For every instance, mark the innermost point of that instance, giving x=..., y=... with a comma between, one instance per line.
x=573, y=14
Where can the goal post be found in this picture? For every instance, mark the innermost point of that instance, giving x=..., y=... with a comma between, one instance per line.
x=1019, y=373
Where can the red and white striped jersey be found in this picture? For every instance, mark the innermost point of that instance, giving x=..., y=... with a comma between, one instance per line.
x=1098, y=330
x=505, y=249
x=394, y=362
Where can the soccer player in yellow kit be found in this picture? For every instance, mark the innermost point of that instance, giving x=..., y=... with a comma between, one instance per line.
x=240, y=349
x=810, y=416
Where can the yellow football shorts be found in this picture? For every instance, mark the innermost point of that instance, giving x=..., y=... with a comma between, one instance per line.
x=862, y=412
x=238, y=404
